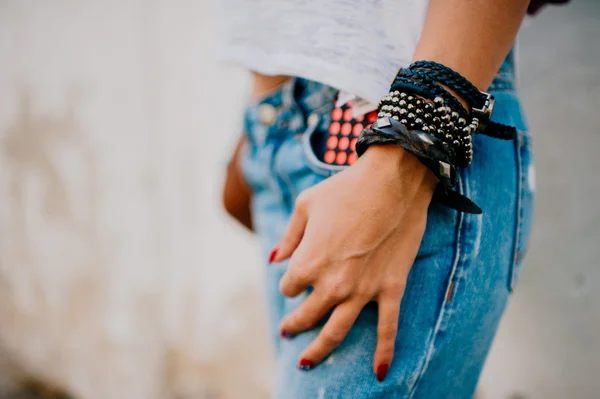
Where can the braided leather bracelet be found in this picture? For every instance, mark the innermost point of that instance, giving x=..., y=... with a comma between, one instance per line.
x=450, y=78
x=481, y=103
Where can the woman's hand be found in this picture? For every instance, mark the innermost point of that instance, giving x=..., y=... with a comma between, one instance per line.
x=354, y=238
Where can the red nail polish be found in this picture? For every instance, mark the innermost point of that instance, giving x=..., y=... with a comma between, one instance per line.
x=382, y=371
x=273, y=254
x=285, y=334
x=305, y=365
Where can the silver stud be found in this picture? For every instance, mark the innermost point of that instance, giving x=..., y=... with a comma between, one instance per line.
x=383, y=122
x=445, y=169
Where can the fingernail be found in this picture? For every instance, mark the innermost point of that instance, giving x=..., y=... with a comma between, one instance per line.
x=285, y=334
x=382, y=371
x=305, y=365
x=273, y=254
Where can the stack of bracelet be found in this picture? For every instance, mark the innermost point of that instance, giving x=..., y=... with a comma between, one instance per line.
x=424, y=118
x=432, y=117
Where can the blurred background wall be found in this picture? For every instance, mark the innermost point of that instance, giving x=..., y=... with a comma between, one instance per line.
x=121, y=277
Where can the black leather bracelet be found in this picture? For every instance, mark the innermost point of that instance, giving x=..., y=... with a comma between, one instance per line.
x=406, y=83
x=481, y=103
x=430, y=151
x=452, y=79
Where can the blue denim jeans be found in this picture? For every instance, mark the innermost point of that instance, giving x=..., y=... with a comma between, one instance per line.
x=459, y=285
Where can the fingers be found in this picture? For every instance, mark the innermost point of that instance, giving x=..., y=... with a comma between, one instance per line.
x=332, y=334
x=293, y=234
x=307, y=315
x=297, y=278
x=387, y=329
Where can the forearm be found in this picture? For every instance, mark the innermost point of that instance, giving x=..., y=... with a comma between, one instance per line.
x=236, y=193
x=472, y=37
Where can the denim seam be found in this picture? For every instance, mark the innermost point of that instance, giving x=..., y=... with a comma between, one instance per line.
x=284, y=179
x=442, y=312
x=288, y=192
x=519, y=212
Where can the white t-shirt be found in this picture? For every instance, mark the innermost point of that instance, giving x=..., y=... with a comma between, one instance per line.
x=356, y=46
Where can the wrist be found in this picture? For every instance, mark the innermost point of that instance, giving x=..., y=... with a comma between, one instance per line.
x=404, y=170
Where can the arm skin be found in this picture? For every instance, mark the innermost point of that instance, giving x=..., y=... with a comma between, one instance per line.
x=471, y=36
x=368, y=253
x=236, y=193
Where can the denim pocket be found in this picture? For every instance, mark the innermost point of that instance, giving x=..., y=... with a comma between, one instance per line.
x=315, y=132
x=293, y=170
x=295, y=162
x=525, y=205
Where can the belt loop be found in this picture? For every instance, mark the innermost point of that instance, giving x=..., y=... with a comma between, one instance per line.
x=287, y=92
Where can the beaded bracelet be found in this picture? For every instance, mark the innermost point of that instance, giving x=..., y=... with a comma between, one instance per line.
x=432, y=117
x=481, y=103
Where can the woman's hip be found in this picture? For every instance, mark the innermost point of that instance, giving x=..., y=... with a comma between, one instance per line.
x=458, y=287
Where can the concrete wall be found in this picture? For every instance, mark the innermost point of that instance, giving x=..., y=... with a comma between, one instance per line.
x=549, y=343
x=120, y=277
